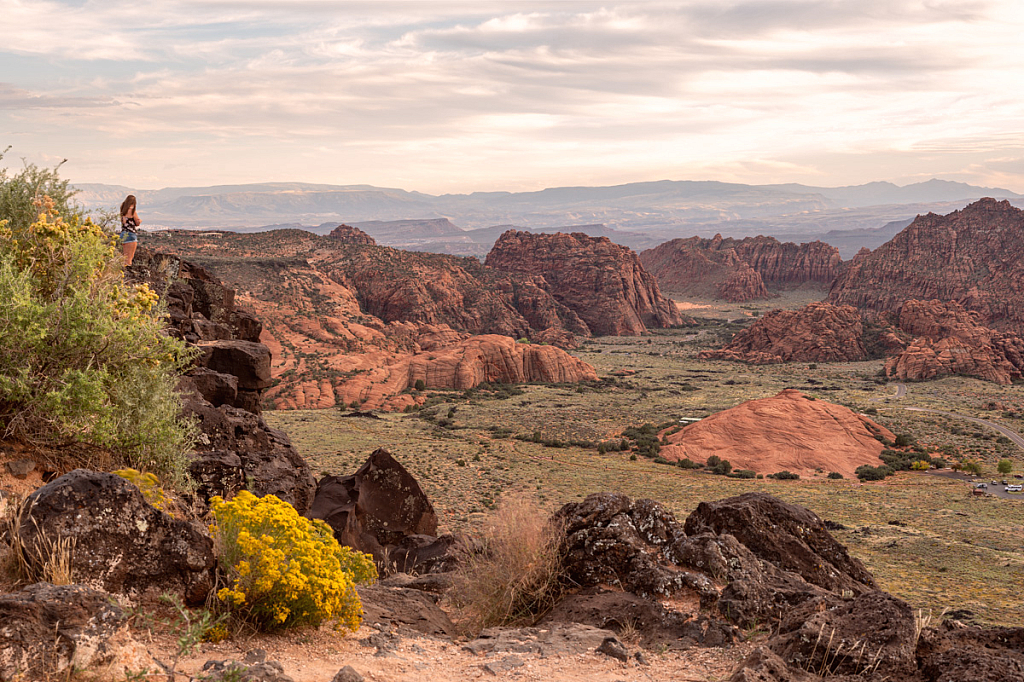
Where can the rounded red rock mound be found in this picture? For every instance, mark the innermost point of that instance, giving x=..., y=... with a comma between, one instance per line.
x=788, y=432
x=351, y=235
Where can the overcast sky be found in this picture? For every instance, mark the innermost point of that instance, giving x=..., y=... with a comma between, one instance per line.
x=464, y=96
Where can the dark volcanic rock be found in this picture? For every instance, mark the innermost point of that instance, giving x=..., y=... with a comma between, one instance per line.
x=952, y=652
x=270, y=465
x=602, y=282
x=974, y=256
x=375, y=508
x=874, y=633
x=416, y=609
x=793, y=538
x=764, y=665
x=125, y=545
x=248, y=361
x=819, y=332
x=48, y=630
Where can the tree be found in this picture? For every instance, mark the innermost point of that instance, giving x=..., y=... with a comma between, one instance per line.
x=1005, y=466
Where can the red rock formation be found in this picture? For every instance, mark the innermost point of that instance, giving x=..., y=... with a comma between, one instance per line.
x=949, y=340
x=819, y=332
x=788, y=432
x=351, y=235
x=739, y=270
x=974, y=256
x=600, y=281
x=475, y=360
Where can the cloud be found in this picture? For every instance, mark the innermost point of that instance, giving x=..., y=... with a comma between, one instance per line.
x=496, y=94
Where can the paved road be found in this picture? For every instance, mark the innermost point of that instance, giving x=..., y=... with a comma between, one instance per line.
x=995, y=490
x=1009, y=433
x=901, y=390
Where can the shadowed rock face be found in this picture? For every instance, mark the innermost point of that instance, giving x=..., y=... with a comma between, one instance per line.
x=948, y=339
x=375, y=508
x=600, y=281
x=784, y=432
x=974, y=257
x=819, y=332
x=125, y=545
x=739, y=269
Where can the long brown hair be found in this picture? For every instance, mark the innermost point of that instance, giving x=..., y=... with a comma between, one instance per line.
x=128, y=204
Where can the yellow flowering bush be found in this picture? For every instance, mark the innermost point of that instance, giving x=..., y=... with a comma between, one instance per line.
x=84, y=356
x=285, y=570
x=149, y=485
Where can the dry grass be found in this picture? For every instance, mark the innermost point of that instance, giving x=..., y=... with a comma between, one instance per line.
x=512, y=578
x=44, y=559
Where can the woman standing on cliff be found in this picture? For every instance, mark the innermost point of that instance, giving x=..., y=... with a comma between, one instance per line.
x=129, y=229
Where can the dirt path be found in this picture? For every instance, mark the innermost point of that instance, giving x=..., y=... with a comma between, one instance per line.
x=1009, y=433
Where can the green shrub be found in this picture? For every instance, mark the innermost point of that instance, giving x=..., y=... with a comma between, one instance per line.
x=834, y=475
x=784, y=476
x=687, y=463
x=743, y=473
x=1004, y=466
x=419, y=385
x=866, y=472
x=285, y=570
x=83, y=356
x=722, y=468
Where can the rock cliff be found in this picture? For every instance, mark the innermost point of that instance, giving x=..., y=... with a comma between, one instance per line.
x=354, y=323
x=820, y=332
x=948, y=339
x=739, y=269
x=974, y=256
x=784, y=432
x=602, y=282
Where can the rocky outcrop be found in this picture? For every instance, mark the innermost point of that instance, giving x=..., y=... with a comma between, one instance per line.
x=600, y=281
x=128, y=547
x=468, y=363
x=351, y=235
x=614, y=543
x=819, y=332
x=782, y=433
x=973, y=257
x=337, y=311
x=791, y=537
x=948, y=339
x=240, y=451
x=376, y=508
x=48, y=630
x=739, y=269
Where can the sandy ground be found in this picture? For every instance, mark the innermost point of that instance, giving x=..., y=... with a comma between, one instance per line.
x=316, y=656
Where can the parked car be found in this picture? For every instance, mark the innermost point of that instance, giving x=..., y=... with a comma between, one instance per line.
x=981, y=485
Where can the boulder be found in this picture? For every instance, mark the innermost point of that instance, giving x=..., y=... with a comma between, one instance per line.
x=48, y=630
x=216, y=388
x=376, y=508
x=874, y=634
x=392, y=606
x=270, y=465
x=253, y=668
x=248, y=361
x=953, y=652
x=764, y=665
x=791, y=537
x=124, y=545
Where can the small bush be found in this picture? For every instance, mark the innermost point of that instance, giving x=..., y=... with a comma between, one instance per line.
x=869, y=473
x=419, y=385
x=743, y=473
x=513, y=578
x=1004, y=466
x=149, y=485
x=723, y=467
x=784, y=476
x=835, y=475
x=904, y=440
x=285, y=570
x=687, y=463
x=713, y=461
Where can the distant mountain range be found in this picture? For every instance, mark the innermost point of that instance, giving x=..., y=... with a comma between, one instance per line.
x=638, y=215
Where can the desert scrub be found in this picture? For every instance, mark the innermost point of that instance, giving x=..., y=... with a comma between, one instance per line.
x=284, y=570
x=513, y=576
x=83, y=355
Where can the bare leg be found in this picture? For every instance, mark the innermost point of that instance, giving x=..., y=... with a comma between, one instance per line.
x=129, y=252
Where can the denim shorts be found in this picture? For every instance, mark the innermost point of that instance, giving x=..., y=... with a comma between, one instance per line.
x=127, y=237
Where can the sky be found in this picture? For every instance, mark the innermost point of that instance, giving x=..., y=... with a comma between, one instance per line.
x=457, y=97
